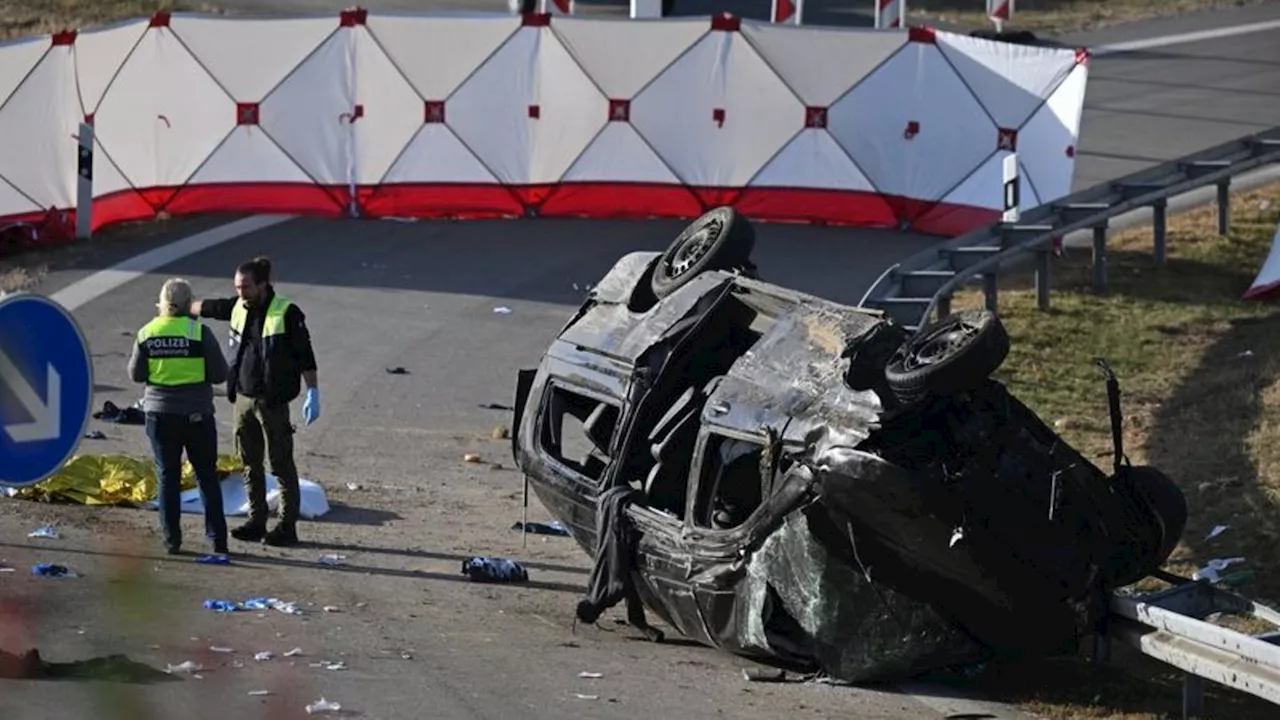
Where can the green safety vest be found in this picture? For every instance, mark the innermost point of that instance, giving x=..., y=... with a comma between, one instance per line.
x=272, y=324
x=175, y=351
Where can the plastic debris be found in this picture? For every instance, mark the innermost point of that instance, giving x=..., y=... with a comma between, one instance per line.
x=331, y=559
x=1216, y=531
x=471, y=457
x=186, y=668
x=6, y=569
x=332, y=608
x=215, y=648
x=336, y=666
x=397, y=370
x=354, y=486
x=259, y=693
x=48, y=531
x=1211, y=571
x=323, y=706
x=494, y=569
x=52, y=570
x=537, y=528
x=95, y=435
x=213, y=560
x=580, y=696
x=502, y=310
x=222, y=605
x=294, y=652
x=264, y=656
x=253, y=604
x=590, y=675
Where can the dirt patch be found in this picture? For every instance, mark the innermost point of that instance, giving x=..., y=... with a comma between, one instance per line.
x=37, y=17
x=1200, y=373
x=1057, y=17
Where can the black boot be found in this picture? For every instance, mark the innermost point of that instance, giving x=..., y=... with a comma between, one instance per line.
x=252, y=531
x=282, y=535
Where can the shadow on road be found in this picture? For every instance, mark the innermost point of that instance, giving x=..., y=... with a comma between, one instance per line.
x=343, y=514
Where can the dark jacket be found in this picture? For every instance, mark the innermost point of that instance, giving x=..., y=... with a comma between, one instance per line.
x=268, y=369
x=183, y=399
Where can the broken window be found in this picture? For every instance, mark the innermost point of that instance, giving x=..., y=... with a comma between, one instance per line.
x=731, y=486
x=577, y=431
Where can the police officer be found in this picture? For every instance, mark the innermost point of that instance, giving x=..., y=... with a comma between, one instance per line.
x=179, y=360
x=271, y=355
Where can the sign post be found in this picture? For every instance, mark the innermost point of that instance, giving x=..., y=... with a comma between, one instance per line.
x=1000, y=12
x=1012, y=189
x=84, y=190
x=46, y=388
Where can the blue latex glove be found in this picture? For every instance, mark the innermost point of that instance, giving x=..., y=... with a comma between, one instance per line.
x=311, y=406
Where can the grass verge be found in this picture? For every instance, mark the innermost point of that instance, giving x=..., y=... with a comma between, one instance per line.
x=1199, y=369
x=1058, y=17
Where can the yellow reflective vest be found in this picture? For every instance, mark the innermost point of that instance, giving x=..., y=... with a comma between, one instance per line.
x=174, y=350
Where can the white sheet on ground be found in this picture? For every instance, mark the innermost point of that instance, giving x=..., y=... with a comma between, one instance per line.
x=235, y=501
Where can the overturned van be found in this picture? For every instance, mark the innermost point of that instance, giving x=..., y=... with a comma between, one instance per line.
x=781, y=476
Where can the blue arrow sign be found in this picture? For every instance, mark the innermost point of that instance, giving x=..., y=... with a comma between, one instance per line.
x=46, y=388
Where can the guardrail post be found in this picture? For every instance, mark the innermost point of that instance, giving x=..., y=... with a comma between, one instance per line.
x=1160, y=229
x=1100, y=258
x=1042, y=280
x=990, y=291
x=1224, y=207
x=1192, y=696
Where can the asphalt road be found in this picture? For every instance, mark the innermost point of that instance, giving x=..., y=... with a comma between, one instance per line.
x=422, y=296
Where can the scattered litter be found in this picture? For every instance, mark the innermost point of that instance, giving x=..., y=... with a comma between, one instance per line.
x=501, y=433
x=294, y=652
x=95, y=435
x=493, y=569
x=6, y=569
x=590, y=675
x=222, y=605
x=361, y=604
x=768, y=675
x=397, y=371
x=1212, y=569
x=213, y=560
x=52, y=570
x=495, y=406
x=471, y=457
x=264, y=656
x=259, y=693
x=254, y=604
x=501, y=310
x=336, y=666
x=956, y=536
x=537, y=528
x=331, y=559
x=1216, y=531
x=48, y=531
x=580, y=696
x=215, y=648
x=132, y=415
x=354, y=486
x=186, y=668
x=1245, y=354
x=332, y=608
x=406, y=655
x=323, y=706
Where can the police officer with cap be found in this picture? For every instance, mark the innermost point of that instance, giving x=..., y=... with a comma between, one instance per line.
x=178, y=359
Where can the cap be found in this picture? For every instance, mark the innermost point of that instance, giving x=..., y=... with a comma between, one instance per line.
x=175, y=296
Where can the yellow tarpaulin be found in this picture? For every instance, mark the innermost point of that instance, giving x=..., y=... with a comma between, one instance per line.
x=114, y=480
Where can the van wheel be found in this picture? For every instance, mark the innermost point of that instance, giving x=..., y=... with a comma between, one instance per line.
x=719, y=240
x=947, y=357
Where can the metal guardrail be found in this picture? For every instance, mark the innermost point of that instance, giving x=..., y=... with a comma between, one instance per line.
x=1171, y=625
x=913, y=290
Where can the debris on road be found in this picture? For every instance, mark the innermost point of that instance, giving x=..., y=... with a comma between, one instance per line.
x=52, y=570
x=502, y=310
x=332, y=608
x=495, y=406
x=48, y=531
x=331, y=559
x=397, y=370
x=1216, y=531
x=186, y=668
x=1212, y=569
x=213, y=560
x=323, y=706
x=253, y=604
x=494, y=569
x=95, y=435
x=501, y=432
x=765, y=675
x=294, y=652
x=590, y=675
x=258, y=693
x=264, y=656
x=217, y=649
x=536, y=528
x=471, y=457
x=580, y=696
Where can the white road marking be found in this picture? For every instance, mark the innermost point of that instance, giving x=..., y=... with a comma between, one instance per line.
x=104, y=281
x=1188, y=37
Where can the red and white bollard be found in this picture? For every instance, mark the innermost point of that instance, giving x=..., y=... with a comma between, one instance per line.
x=557, y=7
x=1000, y=12
x=787, y=12
x=890, y=13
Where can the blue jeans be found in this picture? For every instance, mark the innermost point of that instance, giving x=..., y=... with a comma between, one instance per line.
x=170, y=435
